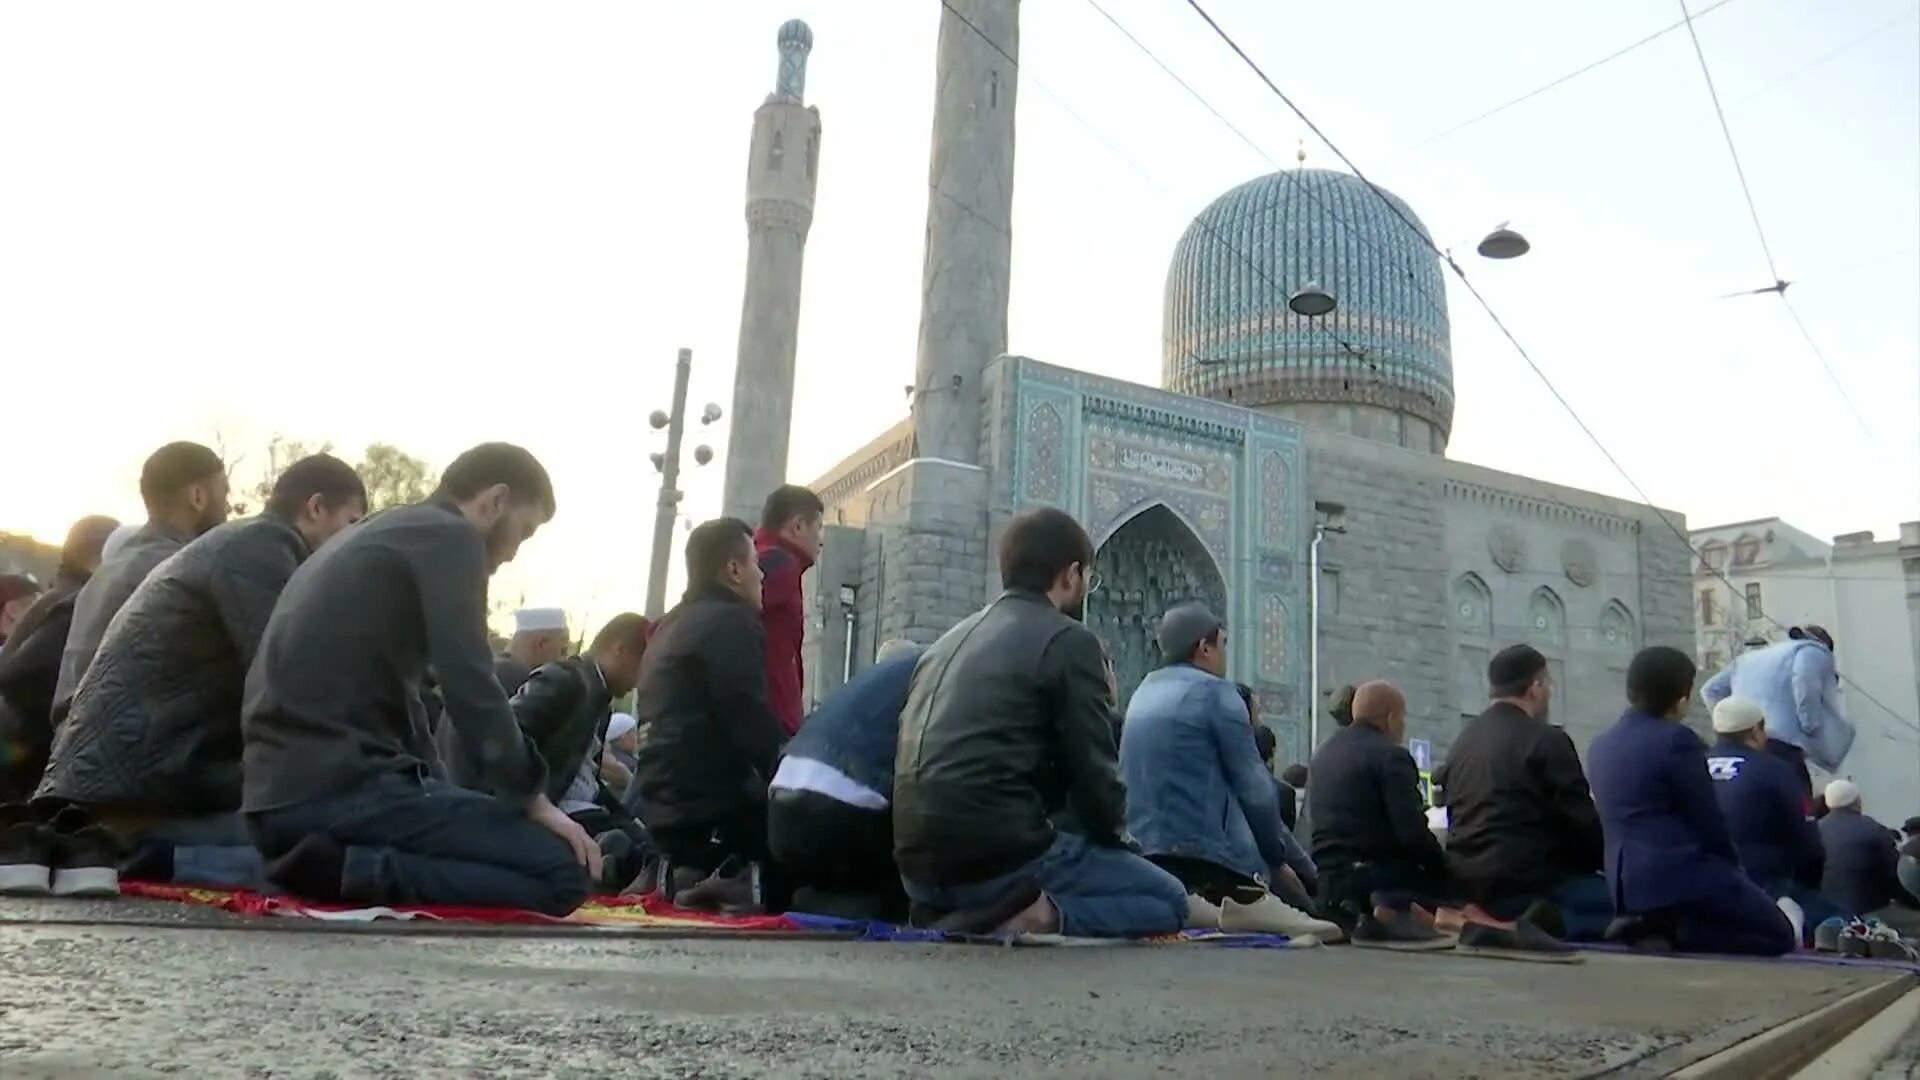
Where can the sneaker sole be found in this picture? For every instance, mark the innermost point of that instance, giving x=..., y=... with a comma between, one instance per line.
x=1526, y=955
x=1436, y=945
x=25, y=880
x=86, y=881
x=1328, y=933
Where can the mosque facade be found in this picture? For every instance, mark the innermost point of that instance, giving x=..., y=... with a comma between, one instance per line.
x=1271, y=429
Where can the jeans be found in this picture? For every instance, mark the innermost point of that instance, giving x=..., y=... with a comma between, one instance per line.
x=213, y=851
x=1585, y=903
x=1100, y=892
x=417, y=840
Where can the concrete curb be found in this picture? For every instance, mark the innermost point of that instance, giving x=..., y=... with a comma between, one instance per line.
x=1859, y=1053
x=435, y=929
x=1785, y=1050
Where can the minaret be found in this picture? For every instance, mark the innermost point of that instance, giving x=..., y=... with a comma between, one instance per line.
x=963, y=300
x=782, y=167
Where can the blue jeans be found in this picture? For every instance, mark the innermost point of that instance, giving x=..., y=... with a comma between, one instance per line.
x=417, y=840
x=1099, y=891
x=1586, y=906
x=213, y=851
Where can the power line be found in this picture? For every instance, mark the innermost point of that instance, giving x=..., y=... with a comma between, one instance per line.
x=1832, y=376
x=1872, y=34
x=1499, y=323
x=1738, y=170
x=1568, y=77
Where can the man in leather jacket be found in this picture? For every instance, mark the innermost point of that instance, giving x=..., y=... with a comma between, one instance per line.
x=30, y=660
x=1008, y=810
x=151, y=743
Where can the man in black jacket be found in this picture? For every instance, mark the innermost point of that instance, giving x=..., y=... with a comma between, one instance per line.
x=1521, y=825
x=30, y=661
x=1008, y=810
x=151, y=744
x=342, y=789
x=700, y=780
x=563, y=708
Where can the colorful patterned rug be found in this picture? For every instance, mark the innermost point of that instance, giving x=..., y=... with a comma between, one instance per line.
x=651, y=913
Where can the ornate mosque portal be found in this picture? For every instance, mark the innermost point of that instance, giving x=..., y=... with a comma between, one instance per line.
x=1150, y=563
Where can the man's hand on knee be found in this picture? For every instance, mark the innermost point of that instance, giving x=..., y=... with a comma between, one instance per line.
x=548, y=816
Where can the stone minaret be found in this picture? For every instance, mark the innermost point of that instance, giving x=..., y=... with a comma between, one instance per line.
x=782, y=169
x=963, y=300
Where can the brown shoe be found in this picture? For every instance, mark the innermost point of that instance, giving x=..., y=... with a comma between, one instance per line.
x=734, y=895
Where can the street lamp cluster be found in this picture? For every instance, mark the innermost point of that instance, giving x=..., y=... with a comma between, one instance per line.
x=667, y=463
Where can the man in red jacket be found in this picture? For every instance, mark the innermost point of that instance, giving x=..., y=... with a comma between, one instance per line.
x=788, y=542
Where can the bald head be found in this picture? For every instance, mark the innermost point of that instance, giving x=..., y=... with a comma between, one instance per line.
x=1380, y=704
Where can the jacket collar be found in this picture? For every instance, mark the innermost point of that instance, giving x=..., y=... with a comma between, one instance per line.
x=711, y=592
x=155, y=528
x=1731, y=743
x=293, y=530
x=1034, y=596
x=764, y=538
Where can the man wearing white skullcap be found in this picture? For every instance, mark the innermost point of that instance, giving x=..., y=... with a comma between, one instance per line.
x=1862, y=860
x=539, y=637
x=1760, y=796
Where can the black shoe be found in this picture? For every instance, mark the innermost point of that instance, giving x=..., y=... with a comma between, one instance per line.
x=676, y=880
x=647, y=881
x=1546, y=915
x=1524, y=942
x=311, y=870
x=26, y=853
x=990, y=917
x=86, y=857
x=1648, y=933
x=735, y=895
x=1399, y=932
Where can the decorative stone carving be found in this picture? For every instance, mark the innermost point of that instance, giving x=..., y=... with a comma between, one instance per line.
x=1274, y=488
x=1148, y=565
x=1507, y=548
x=1472, y=606
x=1581, y=562
x=1547, y=617
x=1044, y=436
x=1616, y=627
x=1273, y=637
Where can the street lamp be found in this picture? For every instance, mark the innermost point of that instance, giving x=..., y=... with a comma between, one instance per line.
x=1503, y=243
x=668, y=463
x=1311, y=302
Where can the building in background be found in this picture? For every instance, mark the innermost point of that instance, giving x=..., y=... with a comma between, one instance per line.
x=1754, y=579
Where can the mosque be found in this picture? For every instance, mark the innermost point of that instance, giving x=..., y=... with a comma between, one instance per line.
x=1290, y=469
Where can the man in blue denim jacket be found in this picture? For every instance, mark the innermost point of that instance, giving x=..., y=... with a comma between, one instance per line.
x=1199, y=801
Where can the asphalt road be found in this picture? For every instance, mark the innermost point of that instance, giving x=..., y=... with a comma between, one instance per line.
x=198, y=1000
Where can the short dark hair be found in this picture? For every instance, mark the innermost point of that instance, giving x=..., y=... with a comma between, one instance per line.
x=85, y=540
x=172, y=469
x=1659, y=678
x=625, y=628
x=1513, y=669
x=1294, y=776
x=319, y=474
x=1265, y=742
x=499, y=463
x=1039, y=545
x=712, y=545
x=787, y=502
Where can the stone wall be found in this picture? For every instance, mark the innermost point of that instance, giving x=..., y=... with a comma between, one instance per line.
x=932, y=528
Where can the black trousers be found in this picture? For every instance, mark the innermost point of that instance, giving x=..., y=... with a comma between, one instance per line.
x=827, y=844
x=737, y=837
x=1347, y=889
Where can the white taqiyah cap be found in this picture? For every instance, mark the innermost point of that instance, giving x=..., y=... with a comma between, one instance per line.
x=532, y=620
x=1842, y=793
x=1737, y=714
x=621, y=724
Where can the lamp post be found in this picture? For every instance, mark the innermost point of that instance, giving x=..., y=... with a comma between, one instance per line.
x=668, y=463
x=1320, y=532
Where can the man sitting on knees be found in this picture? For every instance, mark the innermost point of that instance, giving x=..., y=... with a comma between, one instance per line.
x=340, y=785
x=1863, y=859
x=1199, y=800
x=151, y=746
x=184, y=486
x=539, y=637
x=564, y=708
x=1674, y=875
x=1765, y=807
x=830, y=814
x=1378, y=860
x=1006, y=731
x=1521, y=825
x=30, y=660
x=700, y=780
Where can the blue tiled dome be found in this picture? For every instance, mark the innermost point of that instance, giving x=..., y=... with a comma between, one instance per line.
x=1228, y=334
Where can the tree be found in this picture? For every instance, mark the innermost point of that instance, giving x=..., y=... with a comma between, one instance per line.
x=393, y=477
x=282, y=452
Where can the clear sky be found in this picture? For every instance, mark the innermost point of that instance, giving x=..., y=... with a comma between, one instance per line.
x=436, y=223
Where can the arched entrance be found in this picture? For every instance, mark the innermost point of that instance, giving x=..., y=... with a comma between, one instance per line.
x=1149, y=564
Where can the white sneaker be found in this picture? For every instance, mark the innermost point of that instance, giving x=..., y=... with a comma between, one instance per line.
x=1201, y=915
x=1272, y=915
x=1795, y=914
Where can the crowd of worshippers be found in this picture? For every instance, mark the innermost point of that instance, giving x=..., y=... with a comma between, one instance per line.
x=307, y=702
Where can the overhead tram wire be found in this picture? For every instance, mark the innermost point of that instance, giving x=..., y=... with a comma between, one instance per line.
x=1871, y=34
x=1501, y=325
x=1759, y=231
x=1568, y=77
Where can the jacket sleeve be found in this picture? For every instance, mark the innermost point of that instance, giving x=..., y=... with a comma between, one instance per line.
x=542, y=707
x=737, y=683
x=1694, y=800
x=245, y=585
x=452, y=581
x=1719, y=687
x=1400, y=787
x=1812, y=671
x=1252, y=784
x=1075, y=676
x=1557, y=764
